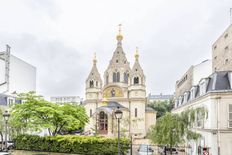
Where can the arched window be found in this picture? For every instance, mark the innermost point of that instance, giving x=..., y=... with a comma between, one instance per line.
x=118, y=77
x=107, y=79
x=136, y=80
x=96, y=83
x=126, y=75
x=114, y=77
x=103, y=123
x=136, y=112
x=91, y=84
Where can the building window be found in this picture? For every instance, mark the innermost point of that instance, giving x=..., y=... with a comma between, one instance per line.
x=215, y=58
x=136, y=80
x=136, y=112
x=116, y=61
x=226, y=35
x=91, y=84
x=118, y=77
x=199, y=119
x=114, y=77
x=107, y=79
x=230, y=116
x=96, y=83
x=226, y=61
x=126, y=75
x=90, y=112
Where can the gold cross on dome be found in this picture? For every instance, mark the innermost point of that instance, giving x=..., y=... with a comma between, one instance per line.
x=119, y=28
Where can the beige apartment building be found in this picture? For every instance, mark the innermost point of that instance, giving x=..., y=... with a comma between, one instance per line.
x=123, y=87
x=214, y=93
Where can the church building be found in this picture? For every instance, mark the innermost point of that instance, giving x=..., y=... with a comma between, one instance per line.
x=123, y=88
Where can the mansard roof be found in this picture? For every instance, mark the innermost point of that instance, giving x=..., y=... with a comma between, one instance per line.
x=216, y=82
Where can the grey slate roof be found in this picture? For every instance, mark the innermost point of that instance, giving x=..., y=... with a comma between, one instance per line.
x=219, y=81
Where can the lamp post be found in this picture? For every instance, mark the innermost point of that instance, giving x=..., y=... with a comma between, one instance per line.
x=118, y=115
x=6, y=117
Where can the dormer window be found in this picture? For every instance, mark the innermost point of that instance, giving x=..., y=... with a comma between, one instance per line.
x=203, y=86
x=180, y=100
x=186, y=94
x=193, y=93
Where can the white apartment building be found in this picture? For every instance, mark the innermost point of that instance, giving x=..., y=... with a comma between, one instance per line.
x=214, y=93
x=66, y=99
x=16, y=76
x=159, y=98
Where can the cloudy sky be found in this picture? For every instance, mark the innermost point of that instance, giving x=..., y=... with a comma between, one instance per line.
x=59, y=37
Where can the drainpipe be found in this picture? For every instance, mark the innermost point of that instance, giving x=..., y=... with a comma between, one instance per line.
x=218, y=125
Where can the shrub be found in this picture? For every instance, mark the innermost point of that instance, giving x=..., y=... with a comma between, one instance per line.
x=72, y=144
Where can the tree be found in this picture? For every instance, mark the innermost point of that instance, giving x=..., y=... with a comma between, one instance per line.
x=174, y=129
x=36, y=114
x=161, y=107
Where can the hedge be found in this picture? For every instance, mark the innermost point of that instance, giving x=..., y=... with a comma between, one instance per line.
x=72, y=144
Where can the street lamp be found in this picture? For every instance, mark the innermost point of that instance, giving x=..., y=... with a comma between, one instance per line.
x=6, y=117
x=118, y=115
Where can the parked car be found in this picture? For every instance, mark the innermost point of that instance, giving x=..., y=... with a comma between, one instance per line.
x=145, y=150
x=10, y=145
x=168, y=150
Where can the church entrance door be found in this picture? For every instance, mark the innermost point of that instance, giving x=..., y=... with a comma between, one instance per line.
x=103, y=123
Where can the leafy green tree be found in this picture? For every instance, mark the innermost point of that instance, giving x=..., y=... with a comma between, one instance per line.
x=173, y=129
x=162, y=107
x=36, y=114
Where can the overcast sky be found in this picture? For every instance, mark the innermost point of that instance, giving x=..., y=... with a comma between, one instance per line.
x=59, y=37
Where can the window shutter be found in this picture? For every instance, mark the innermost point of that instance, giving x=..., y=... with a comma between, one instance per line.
x=230, y=116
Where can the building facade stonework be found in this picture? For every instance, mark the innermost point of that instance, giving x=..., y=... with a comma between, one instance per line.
x=222, y=51
x=123, y=88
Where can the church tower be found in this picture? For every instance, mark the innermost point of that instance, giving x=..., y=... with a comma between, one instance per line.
x=92, y=92
x=117, y=74
x=137, y=79
x=123, y=89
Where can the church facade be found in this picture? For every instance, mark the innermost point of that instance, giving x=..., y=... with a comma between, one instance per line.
x=123, y=88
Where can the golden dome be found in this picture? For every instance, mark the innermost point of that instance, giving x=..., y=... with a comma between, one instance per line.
x=136, y=54
x=119, y=37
